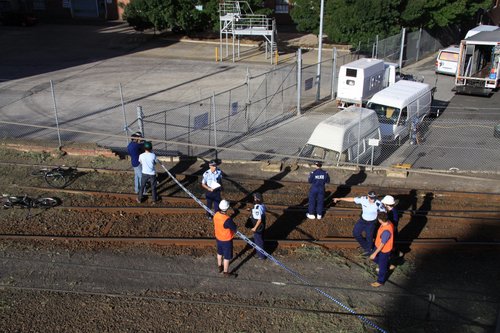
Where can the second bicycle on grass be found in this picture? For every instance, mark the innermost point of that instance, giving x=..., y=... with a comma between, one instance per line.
x=58, y=177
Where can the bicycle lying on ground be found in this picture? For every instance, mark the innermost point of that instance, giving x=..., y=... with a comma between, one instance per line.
x=9, y=201
x=58, y=177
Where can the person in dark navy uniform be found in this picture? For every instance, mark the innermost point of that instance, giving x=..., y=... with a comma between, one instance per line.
x=211, y=182
x=318, y=178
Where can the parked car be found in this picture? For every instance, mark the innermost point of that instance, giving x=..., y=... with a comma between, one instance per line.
x=447, y=60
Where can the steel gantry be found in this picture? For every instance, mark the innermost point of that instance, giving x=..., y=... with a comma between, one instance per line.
x=237, y=19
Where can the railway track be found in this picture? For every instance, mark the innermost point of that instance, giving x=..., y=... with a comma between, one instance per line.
x=327, y=243
x=121, y=218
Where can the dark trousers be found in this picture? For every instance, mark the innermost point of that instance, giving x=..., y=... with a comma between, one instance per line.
x=382, y=259
x=213, y=198
x=258, y=238
x=369, y=228
x=152, y=182
x=316, y=201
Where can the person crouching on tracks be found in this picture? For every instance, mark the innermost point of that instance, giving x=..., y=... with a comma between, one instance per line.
x=258, y=222
x=383, y=248
x=148, y=161
x=318, y=178
x=211, y=182
x=370, y=206
x=225, y=228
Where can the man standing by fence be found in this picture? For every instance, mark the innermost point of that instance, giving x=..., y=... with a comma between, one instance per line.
x=135, y=148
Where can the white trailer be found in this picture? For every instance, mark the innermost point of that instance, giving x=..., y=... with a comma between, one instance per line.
x=479, y=64
x=361, y=79
x=399, y=105
x=345, y=137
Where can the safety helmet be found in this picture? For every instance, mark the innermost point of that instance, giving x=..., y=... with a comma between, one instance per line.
x=388, y=200
x=224, y=205
x=148, y=145
x=257, y=197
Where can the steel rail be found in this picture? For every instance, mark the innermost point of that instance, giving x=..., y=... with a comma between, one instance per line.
x=328, y=243
x=494, y=197
x=336, y=211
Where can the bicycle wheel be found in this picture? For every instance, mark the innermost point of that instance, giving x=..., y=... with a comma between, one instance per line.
x=46, y=202
x=13, y=201
x=56, y=179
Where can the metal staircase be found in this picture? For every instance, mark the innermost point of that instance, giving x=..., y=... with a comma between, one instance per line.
x=237, y=19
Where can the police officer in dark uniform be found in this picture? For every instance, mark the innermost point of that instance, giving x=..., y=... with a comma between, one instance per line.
x=318, y=178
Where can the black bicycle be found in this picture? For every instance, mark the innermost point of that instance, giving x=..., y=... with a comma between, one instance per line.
x=58, y=177
x=28, y=202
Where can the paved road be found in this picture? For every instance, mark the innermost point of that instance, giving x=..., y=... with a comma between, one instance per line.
x=88, y=63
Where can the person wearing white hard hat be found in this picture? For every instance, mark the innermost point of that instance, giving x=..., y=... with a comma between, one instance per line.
x=393, y=216
x=225, y=228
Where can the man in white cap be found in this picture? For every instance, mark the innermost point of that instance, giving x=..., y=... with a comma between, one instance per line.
x=224, y=232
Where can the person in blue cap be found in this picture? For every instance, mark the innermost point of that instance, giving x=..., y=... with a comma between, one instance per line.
x=136, y=148
x=370, y=207
x=318, y=179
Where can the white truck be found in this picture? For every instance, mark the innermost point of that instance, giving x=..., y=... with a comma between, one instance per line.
x=478, y=64
x=345, y=137
x=360, y=79
x=399, y=105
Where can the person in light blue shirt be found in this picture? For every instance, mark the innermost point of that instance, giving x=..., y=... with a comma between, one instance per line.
x=211, y=182
x=258, y=221
x=148, y=161
x=370, y=206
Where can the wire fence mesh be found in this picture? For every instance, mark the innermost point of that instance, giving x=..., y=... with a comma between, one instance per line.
x=255, y=120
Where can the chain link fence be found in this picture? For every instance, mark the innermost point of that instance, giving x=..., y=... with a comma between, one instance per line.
x=261, y=119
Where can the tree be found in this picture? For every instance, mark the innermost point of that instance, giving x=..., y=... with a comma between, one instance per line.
x=303, y=13
x=349, y=21
x=178, y=14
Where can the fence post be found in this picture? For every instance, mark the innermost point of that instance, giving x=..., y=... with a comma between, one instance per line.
x=334, y=71
x=403, y=31
x=140, y=120
x=376, y=48
x=418, y=44
x=55, y=112
x=125, y=127
x=214, y=112
x=299, y=78
x=247, y=108
x=165, y=130
x=190, y=149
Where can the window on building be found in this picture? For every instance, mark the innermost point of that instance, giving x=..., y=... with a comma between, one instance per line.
x=281, y=6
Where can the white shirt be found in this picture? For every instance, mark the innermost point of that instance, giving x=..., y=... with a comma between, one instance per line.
x=258, y=211
x=148, y=160
x=370, y=210
x=212, y=179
